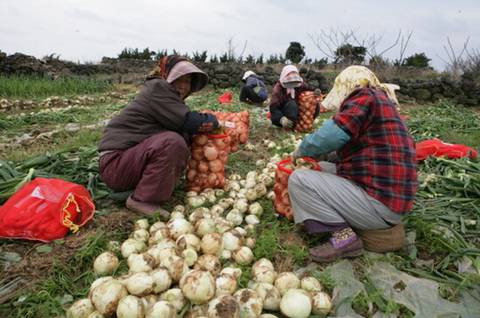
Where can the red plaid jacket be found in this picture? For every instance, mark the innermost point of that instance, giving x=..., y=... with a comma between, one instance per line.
x=380, y=156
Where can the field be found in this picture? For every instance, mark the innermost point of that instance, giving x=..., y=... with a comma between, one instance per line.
x=437, y=272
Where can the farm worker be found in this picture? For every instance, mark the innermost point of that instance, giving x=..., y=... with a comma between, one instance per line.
x=146, y=146
x=254, y=90
x=283, y=105
x=359, y=198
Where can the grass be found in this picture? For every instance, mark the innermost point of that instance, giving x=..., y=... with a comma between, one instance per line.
x=37, y=87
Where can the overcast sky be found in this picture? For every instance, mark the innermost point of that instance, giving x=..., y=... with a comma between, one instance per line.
x=86, y=30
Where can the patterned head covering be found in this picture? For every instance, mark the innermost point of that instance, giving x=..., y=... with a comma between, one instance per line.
x=352, y=78
x=172, y=67
x=290, y=78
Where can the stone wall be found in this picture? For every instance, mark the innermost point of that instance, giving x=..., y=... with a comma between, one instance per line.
x=465, y=90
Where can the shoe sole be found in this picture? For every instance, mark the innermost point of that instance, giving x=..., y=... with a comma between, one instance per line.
x=329, y=260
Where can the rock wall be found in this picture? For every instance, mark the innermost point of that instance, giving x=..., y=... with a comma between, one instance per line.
x=465, y=90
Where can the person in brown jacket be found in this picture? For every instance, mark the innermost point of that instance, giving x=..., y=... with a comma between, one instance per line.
x=146, y=146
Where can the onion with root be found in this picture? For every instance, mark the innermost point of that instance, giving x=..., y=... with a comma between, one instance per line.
x=105, y=263
x=80, y=309
x=105, y=297
x=322, y=304
x=224, y=306
x=198, y=286
x=296, y=303
x=286, y=281
x=250, y=303
x=161, y=280
x=243, y=256
x=130, y=307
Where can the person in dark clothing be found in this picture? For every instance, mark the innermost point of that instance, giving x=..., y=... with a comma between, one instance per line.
x=283, y=105
x=145, y=147
x=254, y=90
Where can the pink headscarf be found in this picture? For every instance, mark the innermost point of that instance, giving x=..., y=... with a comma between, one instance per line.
x=290, y=78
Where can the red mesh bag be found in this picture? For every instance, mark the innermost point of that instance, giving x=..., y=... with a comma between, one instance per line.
x=307, y=103
x=236, y=126
x=284, y=169
x=436, y=147
x=206, y=167
x=45, y=210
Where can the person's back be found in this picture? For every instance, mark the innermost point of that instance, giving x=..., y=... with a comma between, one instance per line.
x=254, y=90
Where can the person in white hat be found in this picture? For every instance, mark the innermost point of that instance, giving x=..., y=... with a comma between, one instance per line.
x=283, y=105
x=254, y=90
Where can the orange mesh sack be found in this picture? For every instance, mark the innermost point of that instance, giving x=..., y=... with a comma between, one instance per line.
x=236, y=126
x=284, y=169
x=206, y=167
x=307, y=103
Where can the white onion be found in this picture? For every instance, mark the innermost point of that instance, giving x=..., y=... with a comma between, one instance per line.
x=265, y=275
x=209, y=263
x=241, y=205
x=250, y=303
x=243, y=255
x=159, y=235
x=175, y=297
x=250, y=242
x=286, y=281
x=105, y=297
x=235, y=272
x=156, y=226
x=296, y=303
x=97, y=283
x=225, y=285
x=261, y=190
x=140, y=284
x=241, y=230
x=226, y=202
x=198, y=286
x=176, y=215
x=176, y=267
x=217, y=209
x=80, y=309
x=197, y=214
x=232, y=186
x=141, y=224
x=161, y=309
x=219, y=193
x=105, y=263
x=141, y=263
x=250, y=228
x=232, y=240
x=130, y=307
x=211, y=243
x=251, y=195
x=140, y=235
x=222, y=225
x=235, y=177
x=95, y=314
x=252, y=219
x=161, y=280
x=263, y=262
x=113, y=246
x=225, y=255
x=270, y=295
x=191, y=194
x=188, y=241
x=149, y=300
x=271, y=195
x=234, y=216
x=196, y=201
x=223, y=307
x=255, y=209
x=179, y=208
x=161, y=254
x=190, y=256
x=178, y=227
x=197, y=311
x=132, y=246
x=233, y=194
x=322, y=304
x=205, y=226
x=310, y=284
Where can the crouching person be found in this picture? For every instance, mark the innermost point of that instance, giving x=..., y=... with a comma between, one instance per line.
x=283, y=104
x=254, y=90
x=360, y=199
x=146, y=146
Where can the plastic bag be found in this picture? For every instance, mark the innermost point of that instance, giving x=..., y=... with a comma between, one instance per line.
x=45, y=210
x=436, y=147
x=206, y=167
x=307, y=104
x=225, y=98
x=284, y=169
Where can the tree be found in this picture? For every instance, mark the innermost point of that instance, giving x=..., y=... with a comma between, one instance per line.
x=128, y=53
x=295, y=52
x=259, y=59
x=199, y=57
x=349, y=54
x=417, y=60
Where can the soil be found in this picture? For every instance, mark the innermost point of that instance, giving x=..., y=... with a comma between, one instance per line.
x=36, y=266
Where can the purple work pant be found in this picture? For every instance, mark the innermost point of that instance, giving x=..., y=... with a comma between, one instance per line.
x=152, y=167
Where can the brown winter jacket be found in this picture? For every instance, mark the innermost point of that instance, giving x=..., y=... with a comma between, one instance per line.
x=158, y=107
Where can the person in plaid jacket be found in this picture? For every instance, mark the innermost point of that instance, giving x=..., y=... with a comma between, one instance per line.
x=368, y=184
